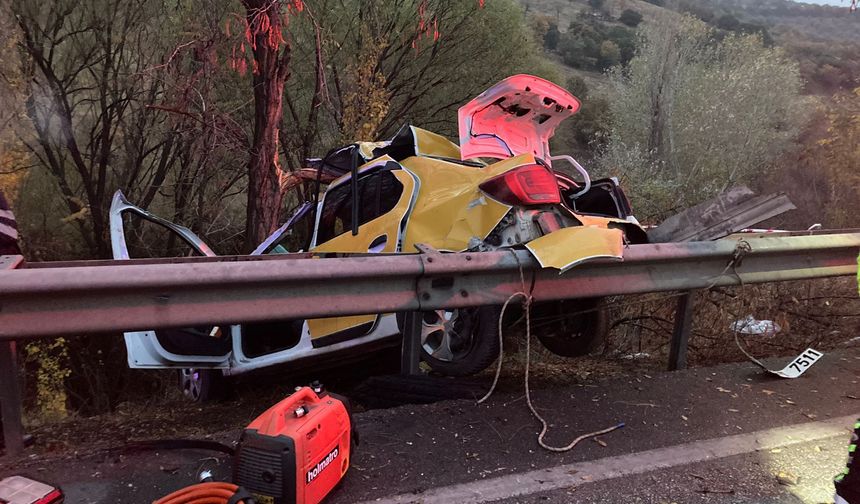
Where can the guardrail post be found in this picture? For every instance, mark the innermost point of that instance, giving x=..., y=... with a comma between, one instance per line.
x=10, y=400
x=681, y=332
x=410, y=356
x=10, y=392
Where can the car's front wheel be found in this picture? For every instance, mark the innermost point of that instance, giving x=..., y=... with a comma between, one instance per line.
x=201, y=385
x=460, y=342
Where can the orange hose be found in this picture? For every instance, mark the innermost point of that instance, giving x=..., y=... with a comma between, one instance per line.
x=201, y=493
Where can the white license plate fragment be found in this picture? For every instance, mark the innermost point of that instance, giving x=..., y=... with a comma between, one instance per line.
x=800, y=364
x=794, y=369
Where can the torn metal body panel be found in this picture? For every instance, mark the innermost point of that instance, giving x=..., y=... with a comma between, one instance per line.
x=730, y=212
x=554, y=251
x=120, y=205
x=452, y=209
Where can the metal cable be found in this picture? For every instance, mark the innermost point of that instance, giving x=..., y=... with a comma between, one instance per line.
x=527, y=301
x=741, y=249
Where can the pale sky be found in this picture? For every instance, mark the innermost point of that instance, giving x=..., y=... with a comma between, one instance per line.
x=843, y=3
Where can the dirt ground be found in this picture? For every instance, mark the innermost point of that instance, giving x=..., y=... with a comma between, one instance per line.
x=416, y=450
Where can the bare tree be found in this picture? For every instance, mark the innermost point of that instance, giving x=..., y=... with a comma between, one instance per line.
x=86, y=93
x=387, y=63
x=121, y=95
x=271, y=59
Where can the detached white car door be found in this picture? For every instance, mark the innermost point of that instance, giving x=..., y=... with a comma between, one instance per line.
x=198, y=347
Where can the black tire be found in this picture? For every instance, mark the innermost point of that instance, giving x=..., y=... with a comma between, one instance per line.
x=571, y=335
x=474, y=342
x=201, y=385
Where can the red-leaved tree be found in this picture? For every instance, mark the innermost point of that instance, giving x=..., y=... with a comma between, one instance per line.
x=267, y=39
x=265, y=21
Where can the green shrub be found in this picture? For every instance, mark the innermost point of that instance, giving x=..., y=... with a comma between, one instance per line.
x=630, y=18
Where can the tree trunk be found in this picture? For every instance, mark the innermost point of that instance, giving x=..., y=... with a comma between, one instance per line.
x=265, y=192
x=662, y=102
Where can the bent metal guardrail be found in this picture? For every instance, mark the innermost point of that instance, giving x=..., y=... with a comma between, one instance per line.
x=52, y=299
x=45, y=299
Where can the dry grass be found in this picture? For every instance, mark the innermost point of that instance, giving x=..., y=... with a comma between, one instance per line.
x=823, y=314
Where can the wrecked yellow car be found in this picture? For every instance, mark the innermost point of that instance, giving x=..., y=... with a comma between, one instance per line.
x=499, y=188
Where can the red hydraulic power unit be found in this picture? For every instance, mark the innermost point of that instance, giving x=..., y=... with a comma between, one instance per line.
x=297, y=451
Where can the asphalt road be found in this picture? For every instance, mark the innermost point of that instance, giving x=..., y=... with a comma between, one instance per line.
x=672, y=450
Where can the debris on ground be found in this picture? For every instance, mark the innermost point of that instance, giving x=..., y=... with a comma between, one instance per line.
x=751, y=325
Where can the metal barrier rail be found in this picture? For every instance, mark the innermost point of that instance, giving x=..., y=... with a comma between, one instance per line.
x=52, y=299
x=123, y=295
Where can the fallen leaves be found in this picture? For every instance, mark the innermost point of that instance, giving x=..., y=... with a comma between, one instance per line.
x=787, y=479
x=727, y=391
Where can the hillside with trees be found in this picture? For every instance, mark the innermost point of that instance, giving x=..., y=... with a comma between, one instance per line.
x=800, y=58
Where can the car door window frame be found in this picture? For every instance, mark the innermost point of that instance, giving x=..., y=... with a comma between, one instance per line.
x=372, y=175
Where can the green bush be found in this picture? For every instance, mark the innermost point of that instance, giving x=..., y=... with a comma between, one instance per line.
x=610, y=54
x=577, y=87
x=550, y=40
x=630, y=18
x=728, y=22
x=593, y=45
x=693, y=114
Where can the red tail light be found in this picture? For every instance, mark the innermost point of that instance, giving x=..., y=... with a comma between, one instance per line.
x=526, y=185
